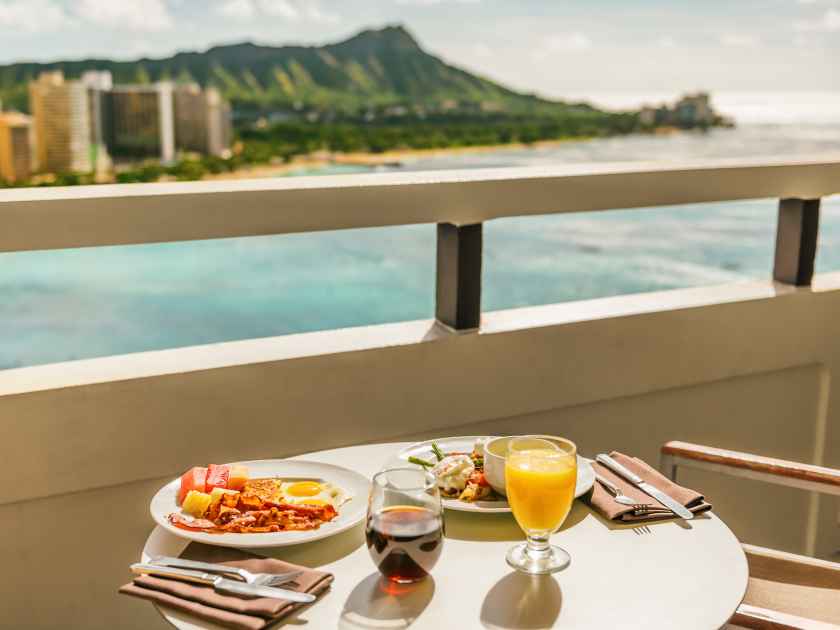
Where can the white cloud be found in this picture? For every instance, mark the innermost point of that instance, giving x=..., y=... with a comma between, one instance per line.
x=828, y=23
x=568, y=42
x=740, y=40
x=287, y=9
x=150, y=15
x=315, y=13
x=666, y=41
x=32, y=16
x=481, y=50
x=279, y=8
x=236, y=9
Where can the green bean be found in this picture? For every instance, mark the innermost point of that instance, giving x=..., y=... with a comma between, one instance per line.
x=420, y=462
x=438, y=453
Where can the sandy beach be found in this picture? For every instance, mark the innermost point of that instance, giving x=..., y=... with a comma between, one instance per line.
x=323, y=159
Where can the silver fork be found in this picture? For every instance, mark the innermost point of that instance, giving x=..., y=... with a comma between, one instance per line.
x=614, y=490
x=261, y=579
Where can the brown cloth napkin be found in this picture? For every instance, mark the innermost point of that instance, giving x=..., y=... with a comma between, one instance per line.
x=229, y=611
x=602, y=501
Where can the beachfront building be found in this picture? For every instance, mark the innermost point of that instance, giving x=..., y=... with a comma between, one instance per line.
x=15, y=147
x=202, y=120
x=694, y=109
x=80, y=124
x=691, y=110
x=142, y=121
x=99, y=85
x=60, y=112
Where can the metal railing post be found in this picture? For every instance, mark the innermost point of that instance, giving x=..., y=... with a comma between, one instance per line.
x=796, y=241
x=458, y=295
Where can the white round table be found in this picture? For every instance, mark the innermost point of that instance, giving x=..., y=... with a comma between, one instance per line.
x=678, y=575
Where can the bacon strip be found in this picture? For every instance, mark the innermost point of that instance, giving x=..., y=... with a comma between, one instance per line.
x=196, y=524
x=277, y=517
x=253, y=511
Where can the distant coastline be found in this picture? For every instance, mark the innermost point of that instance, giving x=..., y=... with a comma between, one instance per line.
x=393, y=158
x=397, y=157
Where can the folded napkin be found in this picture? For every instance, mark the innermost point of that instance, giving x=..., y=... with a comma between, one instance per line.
x=229, y=611
x=603, y=502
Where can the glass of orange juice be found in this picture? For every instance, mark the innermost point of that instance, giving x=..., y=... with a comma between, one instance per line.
x=540, y=477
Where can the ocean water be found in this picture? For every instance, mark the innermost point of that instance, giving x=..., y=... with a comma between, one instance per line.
x=70, y=304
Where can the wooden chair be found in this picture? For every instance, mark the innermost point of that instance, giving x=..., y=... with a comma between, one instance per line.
x=786, y=591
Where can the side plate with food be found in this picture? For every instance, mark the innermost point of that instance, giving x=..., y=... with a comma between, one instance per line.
x=265, y=503
x=458, y=463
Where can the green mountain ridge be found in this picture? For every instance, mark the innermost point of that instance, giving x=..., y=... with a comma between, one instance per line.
x=375, y=68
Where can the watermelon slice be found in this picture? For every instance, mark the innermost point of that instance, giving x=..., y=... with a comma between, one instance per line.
x=194, y=479
x=217, y=477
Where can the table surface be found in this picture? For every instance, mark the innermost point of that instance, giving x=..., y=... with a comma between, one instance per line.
x=678, y=575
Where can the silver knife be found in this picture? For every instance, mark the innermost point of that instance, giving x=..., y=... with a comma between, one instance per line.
x=221, y=584
x=644, y=486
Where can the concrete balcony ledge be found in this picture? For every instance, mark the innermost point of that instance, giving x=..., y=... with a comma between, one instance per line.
x=298, y=346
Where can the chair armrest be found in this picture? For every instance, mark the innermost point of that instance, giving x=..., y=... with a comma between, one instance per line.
x=757, y=618
x=770, y=469
x=791, y=568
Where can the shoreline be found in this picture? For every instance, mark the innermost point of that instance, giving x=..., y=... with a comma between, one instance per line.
x=399, y=155
x=325, y=159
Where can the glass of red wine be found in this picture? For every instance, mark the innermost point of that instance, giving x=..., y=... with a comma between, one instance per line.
x=404, y=529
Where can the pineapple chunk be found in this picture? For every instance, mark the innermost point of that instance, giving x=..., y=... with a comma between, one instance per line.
x=196, y=503
x=217, y=493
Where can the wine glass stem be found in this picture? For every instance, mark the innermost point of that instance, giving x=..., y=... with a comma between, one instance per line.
x=538, y=546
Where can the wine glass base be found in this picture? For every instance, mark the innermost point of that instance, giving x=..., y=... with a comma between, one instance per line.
x=549, y=560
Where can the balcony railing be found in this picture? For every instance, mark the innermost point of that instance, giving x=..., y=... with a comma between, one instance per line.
x=458, y=201
x=747, y=366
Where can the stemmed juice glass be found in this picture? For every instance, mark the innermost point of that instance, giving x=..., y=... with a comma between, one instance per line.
x=540, y=477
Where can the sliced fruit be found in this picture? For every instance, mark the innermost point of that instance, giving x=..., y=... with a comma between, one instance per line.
x=196, y=503
x=217, y=477
x=237, y=478
x=194, y=479
x=216, y=494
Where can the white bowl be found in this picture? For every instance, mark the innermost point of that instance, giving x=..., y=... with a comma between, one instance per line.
x=494, y=462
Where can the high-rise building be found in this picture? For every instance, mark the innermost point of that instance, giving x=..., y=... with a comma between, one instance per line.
x=99, y=85
x=79, y=125
x=61, y=117
x=202, y=120
x=15, y=147
x=142, y=121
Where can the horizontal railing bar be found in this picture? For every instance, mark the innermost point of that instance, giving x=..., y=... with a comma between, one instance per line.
x=87, y=216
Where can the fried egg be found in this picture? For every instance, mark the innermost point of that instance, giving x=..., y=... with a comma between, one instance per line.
x=314, y=493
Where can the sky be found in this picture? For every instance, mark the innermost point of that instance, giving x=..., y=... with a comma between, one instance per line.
x=557, y=48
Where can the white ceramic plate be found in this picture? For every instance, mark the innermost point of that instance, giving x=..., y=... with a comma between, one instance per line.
x=423, y=450
x=349, y=514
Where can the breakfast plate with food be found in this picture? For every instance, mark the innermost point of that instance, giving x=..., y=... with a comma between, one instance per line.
x=470, y=470
x=264, y=503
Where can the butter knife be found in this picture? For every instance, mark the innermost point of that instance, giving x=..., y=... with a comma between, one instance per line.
x=644, y=486
x=221, y=584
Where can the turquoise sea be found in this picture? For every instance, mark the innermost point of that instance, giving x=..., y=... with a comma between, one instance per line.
x=71, y=304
